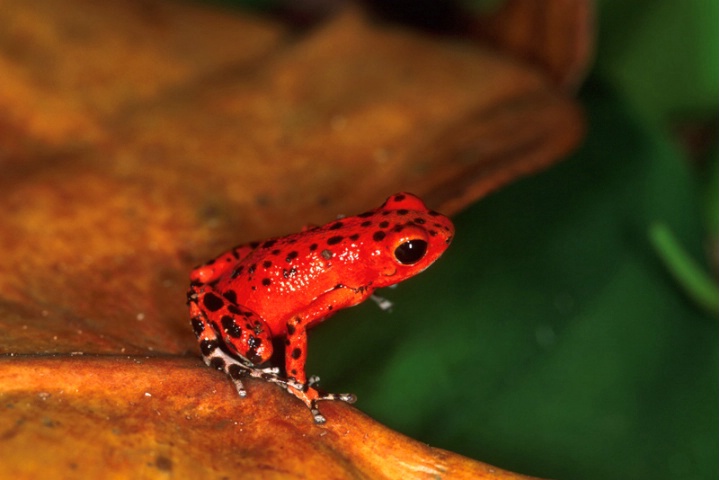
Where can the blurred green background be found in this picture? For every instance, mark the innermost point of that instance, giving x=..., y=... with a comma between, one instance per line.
x=570, y=332
x=553, y=338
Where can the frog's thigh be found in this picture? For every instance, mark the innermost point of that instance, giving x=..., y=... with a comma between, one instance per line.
x=212, y=353
x=244, y=332
x=234, y=365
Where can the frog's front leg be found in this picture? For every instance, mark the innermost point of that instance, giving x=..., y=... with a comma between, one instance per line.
x=296, y=358
x=216, y=344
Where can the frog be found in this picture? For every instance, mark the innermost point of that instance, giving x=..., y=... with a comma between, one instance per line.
x=275, y=290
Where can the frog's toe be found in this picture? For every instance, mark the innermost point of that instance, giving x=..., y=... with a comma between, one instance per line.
x=318, y=417
x=313, y=381
x=342, y=397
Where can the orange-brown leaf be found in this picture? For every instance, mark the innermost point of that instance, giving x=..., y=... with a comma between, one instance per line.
x=120, y=417
x=139, y=138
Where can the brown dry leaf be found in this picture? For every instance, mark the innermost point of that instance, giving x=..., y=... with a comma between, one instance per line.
x=555, y=35
x=140, y=138
x=173, y=416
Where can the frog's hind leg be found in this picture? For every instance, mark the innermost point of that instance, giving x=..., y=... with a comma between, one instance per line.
x=215, y=354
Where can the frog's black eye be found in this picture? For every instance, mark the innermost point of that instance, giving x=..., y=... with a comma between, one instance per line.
x=410, y=252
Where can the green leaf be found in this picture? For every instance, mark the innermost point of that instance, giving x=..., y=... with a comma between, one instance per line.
x=661, y=54
x=695, y=282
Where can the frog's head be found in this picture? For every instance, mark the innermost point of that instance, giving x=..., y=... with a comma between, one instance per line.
x=408, y=239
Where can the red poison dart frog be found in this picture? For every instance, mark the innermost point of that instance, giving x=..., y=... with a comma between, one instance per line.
x=242, y=300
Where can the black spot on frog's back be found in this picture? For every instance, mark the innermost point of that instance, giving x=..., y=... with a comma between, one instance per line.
x=335, y=240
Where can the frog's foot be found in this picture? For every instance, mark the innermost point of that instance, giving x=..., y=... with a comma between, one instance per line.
x=238, y=367
x=311, y=396
x=382, y=302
